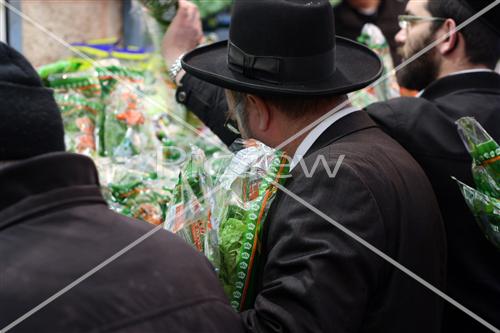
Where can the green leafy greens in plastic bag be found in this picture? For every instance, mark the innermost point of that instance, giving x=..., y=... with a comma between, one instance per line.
x=247, y=193
x=483, y=201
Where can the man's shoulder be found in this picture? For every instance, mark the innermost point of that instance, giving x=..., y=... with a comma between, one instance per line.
x=395, y=111
x=396, y=103
x=143, y=248
x=368, y=160
x=410, y=119
x=359, y=158
x=425, y=126
x=156, y=238
x=160, y=268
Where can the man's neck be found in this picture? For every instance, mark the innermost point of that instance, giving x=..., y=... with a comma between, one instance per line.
x=291, y=148
x=307, y=124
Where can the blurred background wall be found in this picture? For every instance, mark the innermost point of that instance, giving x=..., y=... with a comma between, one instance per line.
x=72, y=20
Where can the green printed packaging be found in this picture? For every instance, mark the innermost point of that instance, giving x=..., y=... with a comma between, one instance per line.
x=483, y=201
x=249, y=189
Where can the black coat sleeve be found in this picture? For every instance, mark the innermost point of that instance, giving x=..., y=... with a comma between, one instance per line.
x=418, y=125
x=316, y=278
x=385, y=116
x=208, y=102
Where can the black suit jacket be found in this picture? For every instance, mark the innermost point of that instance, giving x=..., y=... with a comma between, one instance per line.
x=426, y=128
x=317, y=279
x=55, y=226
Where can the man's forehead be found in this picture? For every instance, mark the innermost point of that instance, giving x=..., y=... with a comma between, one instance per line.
x=418, y=7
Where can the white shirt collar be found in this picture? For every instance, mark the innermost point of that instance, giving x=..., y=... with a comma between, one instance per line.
x=316, y=132
x=466, y=71
x=476, y=70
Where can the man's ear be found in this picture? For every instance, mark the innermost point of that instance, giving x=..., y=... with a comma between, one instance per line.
x=449, y=44
x=261, y=111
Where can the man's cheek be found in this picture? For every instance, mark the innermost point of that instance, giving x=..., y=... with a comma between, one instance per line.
x=410, y=49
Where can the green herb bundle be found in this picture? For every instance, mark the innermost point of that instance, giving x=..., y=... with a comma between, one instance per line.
x=484, y=201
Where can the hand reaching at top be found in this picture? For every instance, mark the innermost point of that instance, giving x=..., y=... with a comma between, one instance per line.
x=184, y=33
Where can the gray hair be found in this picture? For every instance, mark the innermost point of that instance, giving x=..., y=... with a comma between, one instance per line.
x=240, y=110
x=239, y=99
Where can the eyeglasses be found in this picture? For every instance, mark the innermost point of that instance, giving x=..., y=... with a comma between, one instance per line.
x=231, y=124
x=406, y=21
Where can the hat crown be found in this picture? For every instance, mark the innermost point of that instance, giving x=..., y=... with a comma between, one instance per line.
x=14, y=68
x=284, y=47
x=283, y=28
x=30, y=121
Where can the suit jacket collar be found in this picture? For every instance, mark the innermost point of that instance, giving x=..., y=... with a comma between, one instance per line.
x=37, y=176
x=345, y=126
x=461, y=82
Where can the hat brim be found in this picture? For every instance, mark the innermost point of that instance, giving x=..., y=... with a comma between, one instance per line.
x=356, y=67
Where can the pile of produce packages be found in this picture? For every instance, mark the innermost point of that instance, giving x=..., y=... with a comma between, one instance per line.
x=158, y=165
x=388, y=88
x=484, y=200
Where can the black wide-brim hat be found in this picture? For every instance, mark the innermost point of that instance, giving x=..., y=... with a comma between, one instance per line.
x=284, y=47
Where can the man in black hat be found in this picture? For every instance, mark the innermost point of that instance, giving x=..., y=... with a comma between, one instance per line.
x=456, y=79
x=55, y=226
x=283, y=68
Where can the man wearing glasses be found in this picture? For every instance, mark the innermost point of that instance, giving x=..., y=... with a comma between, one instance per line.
x=455, y=79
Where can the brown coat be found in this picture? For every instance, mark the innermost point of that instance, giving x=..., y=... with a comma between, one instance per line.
x=317, y=279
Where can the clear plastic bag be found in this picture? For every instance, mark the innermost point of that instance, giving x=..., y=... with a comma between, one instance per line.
x=485, y=154
x=125, y=130
x=189, y=213
x=484, y=200
x=133, y=188
x=486, y=211
x=78, y=97
x=372, y=36
x=79, y=118
x=241, y=206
